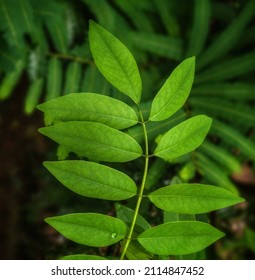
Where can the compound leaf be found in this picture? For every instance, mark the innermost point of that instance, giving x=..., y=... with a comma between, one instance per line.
x=193, y=198
x=90, y=107
x=174, y=92
x=179, y=238
x=94, y=140
x=89, y=229
x=115, y=62
x=92, y=179
x=183, y=138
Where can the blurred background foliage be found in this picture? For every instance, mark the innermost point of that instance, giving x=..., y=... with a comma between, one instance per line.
x=44, y=53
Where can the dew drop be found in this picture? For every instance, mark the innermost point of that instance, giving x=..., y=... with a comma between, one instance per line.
x=114, y=235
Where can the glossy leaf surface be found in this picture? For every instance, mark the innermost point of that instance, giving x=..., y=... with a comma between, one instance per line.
x=90, y=107
x=89, y=229
x=175, y=91
x=179, y=238
x=193, y=198
x=183, y=138
x=94, y=140
x=92, y=179
x=115, y=61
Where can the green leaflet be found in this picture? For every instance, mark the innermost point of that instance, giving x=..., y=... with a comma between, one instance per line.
x=82, y=257
x=10, y=80
x=33, y=95
x=54, y=78
x=183, y=138
x=192, y=198
x=174, y=92
x=92, y=179
x=90, y=107
x=89, y=228
x=179, y=238
x=115, y=62
x=73, y=77
x=94, y=140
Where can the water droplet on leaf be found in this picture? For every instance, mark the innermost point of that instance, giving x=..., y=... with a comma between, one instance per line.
x=114, y=235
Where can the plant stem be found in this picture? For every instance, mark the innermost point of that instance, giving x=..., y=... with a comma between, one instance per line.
x=140, y=194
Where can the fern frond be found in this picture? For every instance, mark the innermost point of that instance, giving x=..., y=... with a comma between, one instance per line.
x=158, y=44
x=224, y=109
x=228, y=38
x=16, y=19
x=136, y=15
x=231, y=91
x=200, y=27
x=52, y=15
x=229, y=69
x=167, y=17
x=9, y=55
x=213, y=173
x=220, y=155
x=234, y=138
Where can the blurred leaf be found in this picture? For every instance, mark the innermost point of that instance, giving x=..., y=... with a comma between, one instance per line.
x=93, y=81
x=33, y=95
x=92, y=179
x=94, y=140
x=174, y=92
x=89, y=229
x=228, y=38
x=127, y=214
x=10, y=80
x=221, y=155
x=237, y=91
x=215, y=174
x=183, y=138
x=16, y=20
x=179, y=238
x=234, y=138
x=200, y=27
x=192, y=198
x=224, y=109
x=228, y=69
x=72, y=78
x=134, y=10
x=115, y=62
x=157, y=44
x=54, y=79
x=90, y=107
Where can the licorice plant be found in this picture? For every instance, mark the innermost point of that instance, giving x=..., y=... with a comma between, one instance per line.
x=94, y=126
